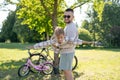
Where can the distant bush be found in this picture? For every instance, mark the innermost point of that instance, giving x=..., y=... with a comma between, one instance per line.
x=84, y=35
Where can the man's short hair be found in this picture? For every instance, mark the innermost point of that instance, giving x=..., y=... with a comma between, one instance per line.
x=69, y=9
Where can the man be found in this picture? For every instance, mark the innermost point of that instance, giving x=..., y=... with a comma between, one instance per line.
x=71, y=33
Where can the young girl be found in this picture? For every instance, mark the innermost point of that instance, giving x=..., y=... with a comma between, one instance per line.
x=60, y=45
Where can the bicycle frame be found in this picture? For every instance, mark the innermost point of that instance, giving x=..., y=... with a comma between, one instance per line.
x=45, y=66
x=39, y=67
x=47, y=53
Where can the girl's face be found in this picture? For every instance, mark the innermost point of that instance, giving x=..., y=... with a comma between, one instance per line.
x=60, y=38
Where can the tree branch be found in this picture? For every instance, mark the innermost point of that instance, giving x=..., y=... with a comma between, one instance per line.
x=10, y=2
x=73, y=7
x=76, y=5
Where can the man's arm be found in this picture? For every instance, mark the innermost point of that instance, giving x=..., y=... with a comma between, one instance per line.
x=87, y=42
x=79, y=42
x=71, y=33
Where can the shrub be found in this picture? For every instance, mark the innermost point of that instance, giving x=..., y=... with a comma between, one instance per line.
x=84, y=35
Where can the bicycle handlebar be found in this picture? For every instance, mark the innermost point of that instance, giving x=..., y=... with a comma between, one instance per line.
x=30, y=54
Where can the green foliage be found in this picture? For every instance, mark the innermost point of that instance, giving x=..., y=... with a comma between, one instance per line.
x=111, y=14
x=24, y=34
x=98, y=6
x=32, y=14
x=111, y=18
x=7, y=29
x=86, y=25
x=32, y=22
x=114, y=37
x=101, y=29
x=84, y=34
x=39, y=16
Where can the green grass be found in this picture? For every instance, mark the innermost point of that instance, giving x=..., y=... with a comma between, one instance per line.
x=94, y=64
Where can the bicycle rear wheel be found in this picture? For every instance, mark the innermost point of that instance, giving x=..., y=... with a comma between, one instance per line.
x=48, y=68
x=75, y=63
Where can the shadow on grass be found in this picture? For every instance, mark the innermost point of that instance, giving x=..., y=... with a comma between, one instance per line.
x=9, y=71
x=77, y=75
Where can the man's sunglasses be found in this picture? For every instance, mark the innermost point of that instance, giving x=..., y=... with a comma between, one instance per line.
x=66, y=16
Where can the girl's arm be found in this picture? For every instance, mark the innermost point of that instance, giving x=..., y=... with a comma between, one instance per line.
x=41, y=44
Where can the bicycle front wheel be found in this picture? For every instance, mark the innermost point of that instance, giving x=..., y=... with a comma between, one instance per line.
x=23, y=71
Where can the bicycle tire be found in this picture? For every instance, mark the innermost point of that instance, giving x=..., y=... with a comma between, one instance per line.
x=40, y=60
x=22, y=72
x=74, y=65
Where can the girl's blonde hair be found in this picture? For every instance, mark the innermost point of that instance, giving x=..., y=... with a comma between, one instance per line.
x=58, y=31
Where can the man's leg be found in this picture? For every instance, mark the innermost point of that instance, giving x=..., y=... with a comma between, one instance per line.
x=68, y=75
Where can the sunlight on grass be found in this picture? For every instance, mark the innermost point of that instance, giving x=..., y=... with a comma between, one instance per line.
x=99, y=64
x=12, y=54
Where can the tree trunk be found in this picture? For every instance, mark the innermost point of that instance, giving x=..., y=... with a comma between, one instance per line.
x=54, y=24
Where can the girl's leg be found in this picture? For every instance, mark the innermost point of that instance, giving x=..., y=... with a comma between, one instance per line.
x=68, y=75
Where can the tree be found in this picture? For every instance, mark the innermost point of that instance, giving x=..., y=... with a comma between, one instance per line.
x=114, y=36
x=111, y=18
x=101, y=29
x=7, y=29
x=24, y=34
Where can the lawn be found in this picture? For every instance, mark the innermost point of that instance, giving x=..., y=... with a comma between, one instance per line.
x=94, y=64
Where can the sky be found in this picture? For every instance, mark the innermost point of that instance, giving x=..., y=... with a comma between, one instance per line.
x=78, y=13
x=4, y=14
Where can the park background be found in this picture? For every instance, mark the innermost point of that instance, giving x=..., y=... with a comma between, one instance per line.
x=33, y=21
